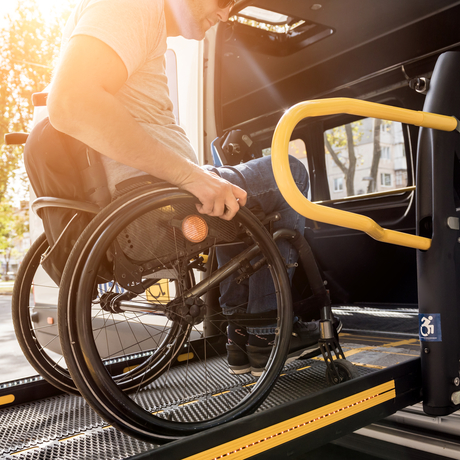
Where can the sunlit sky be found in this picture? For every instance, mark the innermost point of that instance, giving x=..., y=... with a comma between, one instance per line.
x=46, y=7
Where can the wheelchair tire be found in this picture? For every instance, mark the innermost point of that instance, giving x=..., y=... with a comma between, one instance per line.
x=34, y=338
x=196, y=382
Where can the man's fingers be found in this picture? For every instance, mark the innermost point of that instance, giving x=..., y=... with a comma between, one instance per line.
x=226, y=212
x=218, y=210
x=230, y=211
x=240, y=194
x=217, y=196
x=212, y=208
x=203, y=208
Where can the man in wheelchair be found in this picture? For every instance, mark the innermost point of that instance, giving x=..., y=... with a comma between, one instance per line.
x=109, y=93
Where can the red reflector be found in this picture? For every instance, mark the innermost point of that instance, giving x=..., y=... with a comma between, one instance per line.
x=195, y=228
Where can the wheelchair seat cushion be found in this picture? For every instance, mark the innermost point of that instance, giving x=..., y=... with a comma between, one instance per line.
x=63, y=167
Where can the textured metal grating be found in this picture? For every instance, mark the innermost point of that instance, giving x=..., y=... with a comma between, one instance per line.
x=96, y=445
x=301, y=378
x=402, y=320
x=65, y=427
x=45, y=421
x=200, y=394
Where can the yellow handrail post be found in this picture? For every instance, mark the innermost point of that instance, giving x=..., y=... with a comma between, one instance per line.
x=319, y=107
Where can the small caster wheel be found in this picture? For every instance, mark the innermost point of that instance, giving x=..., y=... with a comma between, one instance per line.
x=346, y=372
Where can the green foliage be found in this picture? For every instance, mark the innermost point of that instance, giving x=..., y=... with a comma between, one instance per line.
x=14, y=224
x=340, y=144
x=29, y=47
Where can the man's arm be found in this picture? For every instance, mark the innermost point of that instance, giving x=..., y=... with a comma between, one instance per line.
x=82, y=105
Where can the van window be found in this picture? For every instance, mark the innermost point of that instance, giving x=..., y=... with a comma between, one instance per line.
x=365, y=156
x=296, y=149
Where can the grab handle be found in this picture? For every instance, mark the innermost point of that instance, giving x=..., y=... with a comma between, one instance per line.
x=319, y=107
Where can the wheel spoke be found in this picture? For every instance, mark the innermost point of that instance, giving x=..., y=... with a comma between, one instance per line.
x=39, y=341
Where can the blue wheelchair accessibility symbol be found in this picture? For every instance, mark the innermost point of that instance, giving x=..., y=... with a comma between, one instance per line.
x=430, y=327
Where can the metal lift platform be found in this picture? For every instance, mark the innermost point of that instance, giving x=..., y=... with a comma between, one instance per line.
x=301, y=413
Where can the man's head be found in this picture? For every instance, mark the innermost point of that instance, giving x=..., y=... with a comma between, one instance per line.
x=193, y=18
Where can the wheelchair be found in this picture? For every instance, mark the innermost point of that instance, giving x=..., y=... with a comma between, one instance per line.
x=139, y=324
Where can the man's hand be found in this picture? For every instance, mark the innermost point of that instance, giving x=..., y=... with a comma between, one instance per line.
x=218, y=197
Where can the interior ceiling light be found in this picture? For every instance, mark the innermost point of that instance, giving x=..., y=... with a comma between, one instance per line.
x=275, y=33
x=278, y=29
x=266, y=20
x=264, y=15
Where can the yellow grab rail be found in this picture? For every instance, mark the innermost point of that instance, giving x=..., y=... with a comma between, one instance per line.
x=319, y=107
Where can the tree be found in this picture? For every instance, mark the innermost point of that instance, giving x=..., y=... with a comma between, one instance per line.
x=377, y=153
x=29, y=47
x=344, y=136
x=13, y=225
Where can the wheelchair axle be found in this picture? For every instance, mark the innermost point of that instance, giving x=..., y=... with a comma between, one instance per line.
x=121, y=303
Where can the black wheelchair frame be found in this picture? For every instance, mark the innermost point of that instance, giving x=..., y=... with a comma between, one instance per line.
x=98, y=257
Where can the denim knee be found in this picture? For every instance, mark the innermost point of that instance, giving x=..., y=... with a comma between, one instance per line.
x=261, y=170
x=299, y=174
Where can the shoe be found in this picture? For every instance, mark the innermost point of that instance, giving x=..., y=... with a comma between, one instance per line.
x=305, y=339
x=258, y=358
x=238, y=362
x=304, y=345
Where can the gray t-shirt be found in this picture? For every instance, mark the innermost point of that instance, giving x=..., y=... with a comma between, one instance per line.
x=136, y=31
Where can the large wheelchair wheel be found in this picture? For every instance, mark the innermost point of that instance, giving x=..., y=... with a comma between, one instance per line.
x=132, y=343
x=39, y=340
x=161, y=326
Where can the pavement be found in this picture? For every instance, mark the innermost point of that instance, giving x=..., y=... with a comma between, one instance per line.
x=13, y=364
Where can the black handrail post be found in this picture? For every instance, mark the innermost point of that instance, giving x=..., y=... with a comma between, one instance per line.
x=438, y=213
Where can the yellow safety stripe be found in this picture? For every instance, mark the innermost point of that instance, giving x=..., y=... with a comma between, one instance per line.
x=319, y=107
x=185, y=357
x=8, y=399
x=280, y=433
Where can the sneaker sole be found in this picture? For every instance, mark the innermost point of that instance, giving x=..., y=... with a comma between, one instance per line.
x=299, y=354
x=309, y=352
x=303, y=354
x=257, y=372
x=245, y=370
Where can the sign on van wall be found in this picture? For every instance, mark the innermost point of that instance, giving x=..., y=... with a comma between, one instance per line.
x=430, y=327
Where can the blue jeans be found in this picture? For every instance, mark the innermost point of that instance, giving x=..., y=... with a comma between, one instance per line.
x=256, y=177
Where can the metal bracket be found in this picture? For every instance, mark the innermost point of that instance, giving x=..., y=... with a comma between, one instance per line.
x=331, y=350
x=246, y=270
x=453, y=223
x=458, y=124
x=127, y=274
